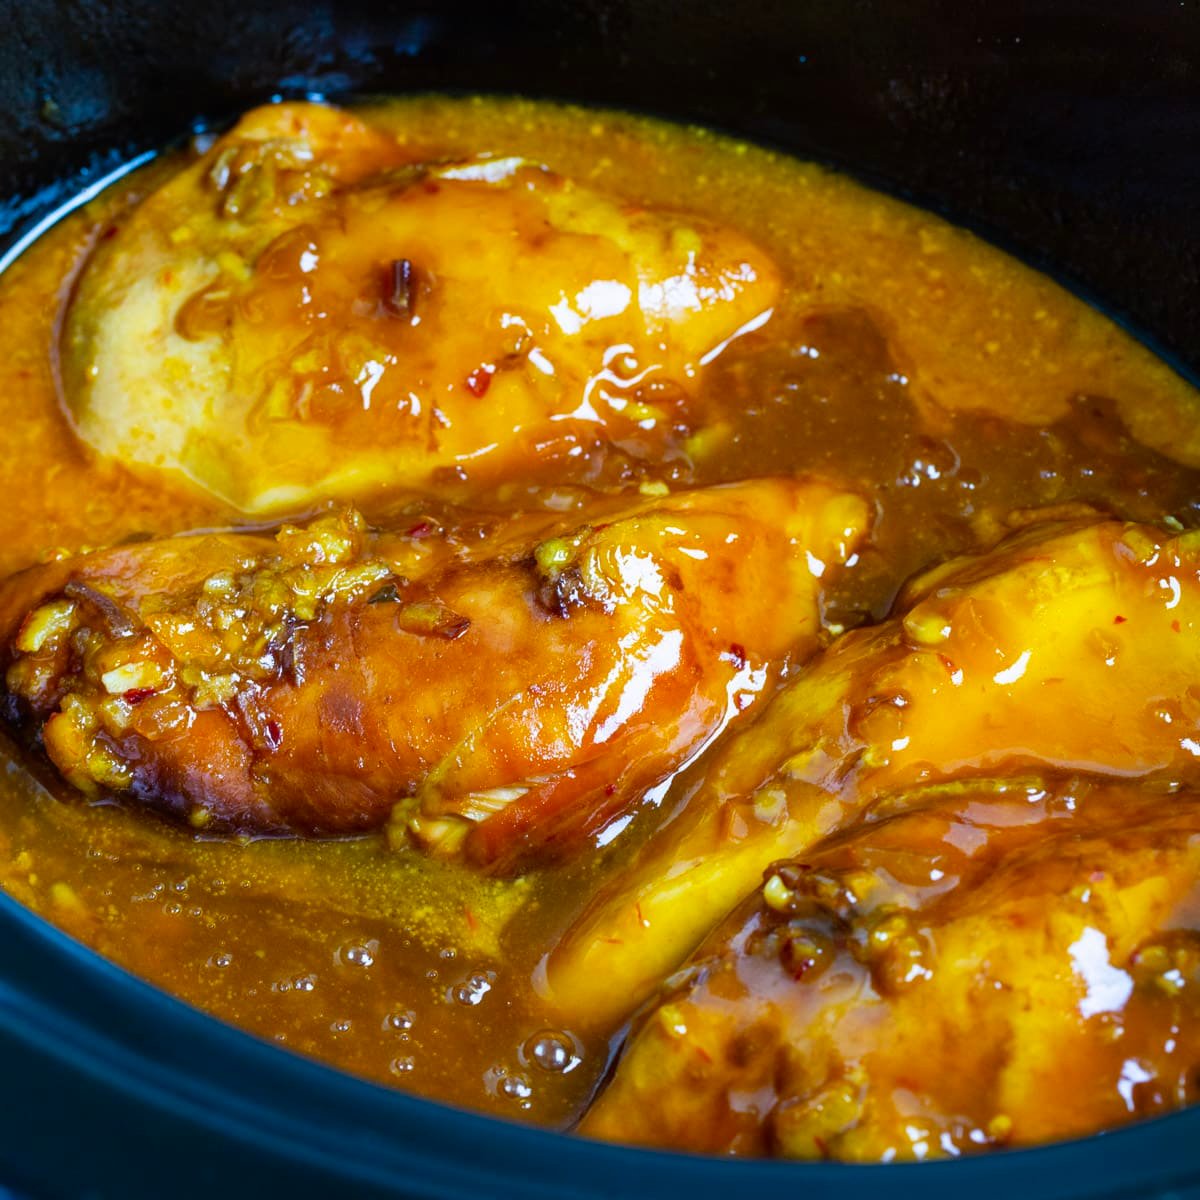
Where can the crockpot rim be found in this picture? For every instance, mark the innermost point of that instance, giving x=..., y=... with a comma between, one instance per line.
x=987, y=1175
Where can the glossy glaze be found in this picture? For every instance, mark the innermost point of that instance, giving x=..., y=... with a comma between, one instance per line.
x=902, y=361
x=1005, y=964
x=491, y=693
x=309, y=311
x=1068, y=648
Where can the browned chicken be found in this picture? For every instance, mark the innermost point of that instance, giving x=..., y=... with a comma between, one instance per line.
x=1073, y=647
x=502, y=688
x=1013, y=962
x=306, y=312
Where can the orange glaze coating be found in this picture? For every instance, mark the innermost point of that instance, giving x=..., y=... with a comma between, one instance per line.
x=915, y=366
x=310, y=681
x=306, y=311
x=1007, y=964
x=1071, y=647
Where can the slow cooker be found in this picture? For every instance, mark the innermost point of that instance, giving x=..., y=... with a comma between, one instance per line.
x=1068, y=133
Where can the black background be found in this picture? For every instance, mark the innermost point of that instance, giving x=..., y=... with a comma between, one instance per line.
x=1068, y=131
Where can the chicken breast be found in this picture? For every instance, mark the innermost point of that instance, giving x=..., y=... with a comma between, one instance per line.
x=494, y=689
x=306, y=313
x=1007, y=964
x=1074, y=646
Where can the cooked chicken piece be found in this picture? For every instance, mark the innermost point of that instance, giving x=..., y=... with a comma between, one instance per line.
x=1012, y=965
x=304, y=312
x=512, y=691
x=1074, y=646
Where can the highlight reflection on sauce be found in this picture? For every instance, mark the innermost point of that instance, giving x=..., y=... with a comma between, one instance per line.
x=995, y=964
x=711, y=536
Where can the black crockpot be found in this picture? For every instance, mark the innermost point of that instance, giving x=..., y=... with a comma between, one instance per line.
x=1068, y=132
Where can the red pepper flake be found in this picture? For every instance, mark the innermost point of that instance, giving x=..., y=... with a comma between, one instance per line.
x=641, y=920
x=137, y=695
x=610, y=789
x=274, y=734
x=480, y=380
x=1176, y=627
x=737, y=654
x=421, y=529
x=109, y=233
x=1119, y=620
x=702, y=1053
x=472, y=920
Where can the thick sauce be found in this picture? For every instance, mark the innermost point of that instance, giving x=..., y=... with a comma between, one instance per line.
x=932, y=373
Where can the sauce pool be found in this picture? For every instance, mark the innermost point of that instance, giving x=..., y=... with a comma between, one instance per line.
x=927, y=369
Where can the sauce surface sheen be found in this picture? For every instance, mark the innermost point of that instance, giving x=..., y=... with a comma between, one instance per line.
x=933, y=374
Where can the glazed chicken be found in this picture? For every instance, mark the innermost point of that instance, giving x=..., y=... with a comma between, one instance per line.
x=628, y=632
x=1073, y=647
x=1010, y=963
x=306, y=312
x=494, y=690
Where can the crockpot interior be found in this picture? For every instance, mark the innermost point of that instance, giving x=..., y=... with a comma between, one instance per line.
x=1068, y=133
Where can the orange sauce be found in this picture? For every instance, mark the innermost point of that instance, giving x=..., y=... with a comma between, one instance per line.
x=940, y=376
